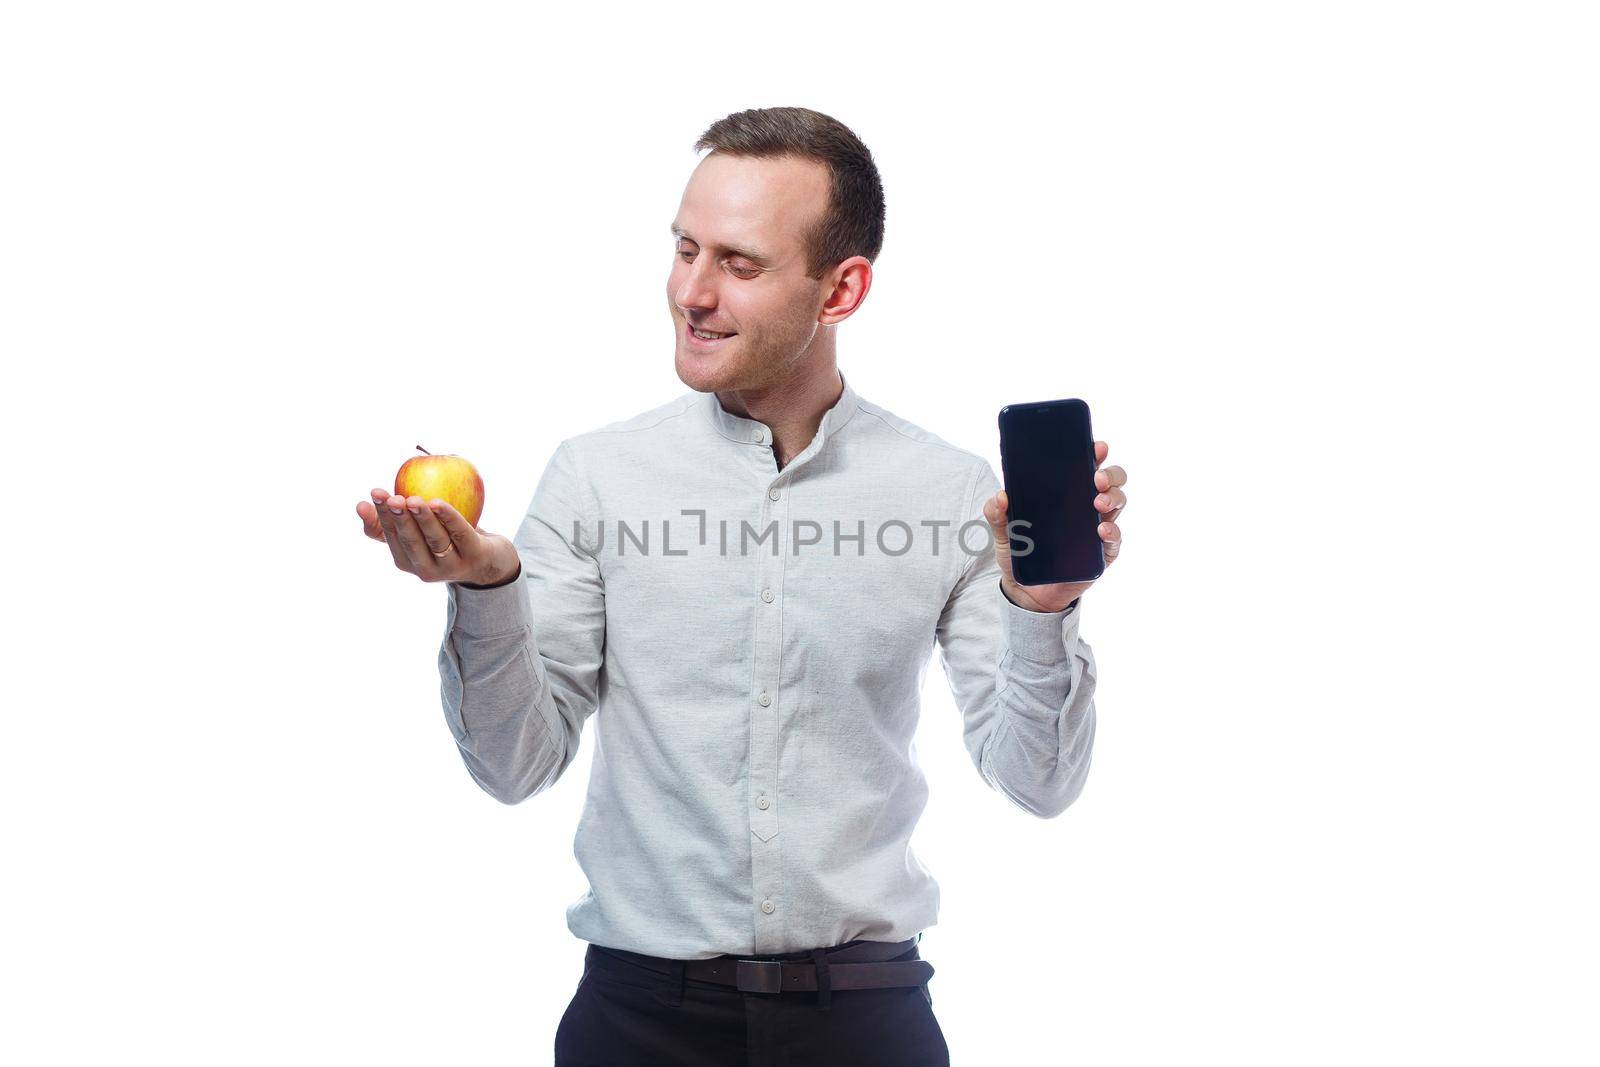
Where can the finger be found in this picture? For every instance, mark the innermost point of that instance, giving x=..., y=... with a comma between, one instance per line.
x=1109, y=501
x=1107, y=477
x=995, y=511
x=1111, y=534
x=438, y=539
x=369, y=520
x=1101, y=449
x=410, y=534
x=388, y=519
x=456, y=525
x=380, y=497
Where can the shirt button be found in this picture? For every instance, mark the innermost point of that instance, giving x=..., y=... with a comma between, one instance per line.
x=773, y=493
x=768, y=906
x=761, y=437
x=764, y=699
x=766, y=594
x=763, y=803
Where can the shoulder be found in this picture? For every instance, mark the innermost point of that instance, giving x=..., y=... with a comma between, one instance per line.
x=921, y=445
x=660, y=417
x=642, y=431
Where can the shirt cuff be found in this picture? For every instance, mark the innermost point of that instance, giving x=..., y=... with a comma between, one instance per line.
x=490, y=612
x=1040, y=636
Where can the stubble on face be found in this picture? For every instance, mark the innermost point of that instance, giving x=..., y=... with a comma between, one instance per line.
x=767, y=352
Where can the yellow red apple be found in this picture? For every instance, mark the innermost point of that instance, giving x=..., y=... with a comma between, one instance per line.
x=450, y=478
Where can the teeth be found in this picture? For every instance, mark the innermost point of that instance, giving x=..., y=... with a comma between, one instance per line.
x=709, y=336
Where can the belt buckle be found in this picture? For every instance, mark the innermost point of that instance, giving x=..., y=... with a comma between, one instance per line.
x=759, y=976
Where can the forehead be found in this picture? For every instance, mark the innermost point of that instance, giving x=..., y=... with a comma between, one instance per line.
x=739, y=201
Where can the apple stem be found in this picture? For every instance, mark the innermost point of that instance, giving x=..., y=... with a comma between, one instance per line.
x=424, y=451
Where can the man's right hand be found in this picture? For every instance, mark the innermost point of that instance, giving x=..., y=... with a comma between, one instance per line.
x=431, y=540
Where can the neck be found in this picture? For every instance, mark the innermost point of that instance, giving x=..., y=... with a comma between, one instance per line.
x=791, y=407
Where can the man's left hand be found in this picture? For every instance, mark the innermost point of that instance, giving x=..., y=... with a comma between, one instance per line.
x=1059, y=595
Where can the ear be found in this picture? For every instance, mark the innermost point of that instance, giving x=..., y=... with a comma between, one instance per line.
x=849, y=282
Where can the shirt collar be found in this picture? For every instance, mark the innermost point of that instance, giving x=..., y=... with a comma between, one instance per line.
x=749, y=431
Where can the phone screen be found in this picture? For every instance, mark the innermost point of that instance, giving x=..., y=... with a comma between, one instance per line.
x=1047, y=456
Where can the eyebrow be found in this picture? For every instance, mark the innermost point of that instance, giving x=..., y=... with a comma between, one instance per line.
x=747, y=253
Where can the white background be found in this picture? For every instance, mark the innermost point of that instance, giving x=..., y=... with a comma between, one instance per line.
x=1326, y=274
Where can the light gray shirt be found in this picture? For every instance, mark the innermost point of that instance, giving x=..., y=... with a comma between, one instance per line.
x=754, y=641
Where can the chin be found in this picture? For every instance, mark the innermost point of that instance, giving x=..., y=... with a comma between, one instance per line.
x=704, y=374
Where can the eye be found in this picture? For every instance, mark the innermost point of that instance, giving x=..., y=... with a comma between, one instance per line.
x=743, y=272
x=685, y=254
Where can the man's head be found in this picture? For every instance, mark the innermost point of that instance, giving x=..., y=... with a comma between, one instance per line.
x=773, y=242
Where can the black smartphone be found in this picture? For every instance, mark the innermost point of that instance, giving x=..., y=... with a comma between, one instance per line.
x=1047, y=463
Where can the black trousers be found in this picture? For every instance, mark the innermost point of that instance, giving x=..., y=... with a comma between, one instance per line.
x=640, y=1011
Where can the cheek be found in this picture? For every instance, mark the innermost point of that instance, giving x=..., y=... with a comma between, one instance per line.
x=791, y=316
x=761, y=312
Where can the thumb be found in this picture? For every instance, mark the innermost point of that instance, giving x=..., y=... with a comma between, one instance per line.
x=996, y=510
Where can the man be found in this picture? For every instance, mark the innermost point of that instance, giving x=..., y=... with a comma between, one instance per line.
x=747, y=582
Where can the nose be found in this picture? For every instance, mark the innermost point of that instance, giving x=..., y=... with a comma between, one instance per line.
x=696, y=290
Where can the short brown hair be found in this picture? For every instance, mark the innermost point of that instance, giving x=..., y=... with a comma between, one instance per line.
x=853, y=222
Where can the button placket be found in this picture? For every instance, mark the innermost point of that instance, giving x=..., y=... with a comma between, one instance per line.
x=766, y=702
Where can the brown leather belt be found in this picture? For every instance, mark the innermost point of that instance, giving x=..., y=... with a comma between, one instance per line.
x=853, y=965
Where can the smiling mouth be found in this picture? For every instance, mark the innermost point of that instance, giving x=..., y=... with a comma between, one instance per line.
x=705, y=337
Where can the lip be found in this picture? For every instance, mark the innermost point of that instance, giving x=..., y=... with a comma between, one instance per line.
x=703, y=346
